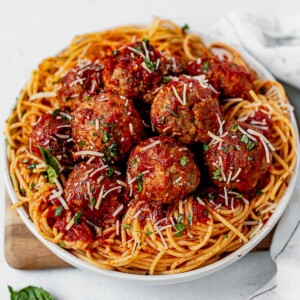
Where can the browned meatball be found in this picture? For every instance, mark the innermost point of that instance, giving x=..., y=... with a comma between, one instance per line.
x=96, y=190
x=79, y=84
x=187, y=110
x=161, y=170
x=226, y=77
x=53, y=133
x=106, y=123
x=133, y=71
x=240, y=160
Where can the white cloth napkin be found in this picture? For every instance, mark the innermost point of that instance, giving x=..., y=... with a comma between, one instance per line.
x=275, y=42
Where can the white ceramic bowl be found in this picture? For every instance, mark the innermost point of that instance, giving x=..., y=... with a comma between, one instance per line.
x=176, y=278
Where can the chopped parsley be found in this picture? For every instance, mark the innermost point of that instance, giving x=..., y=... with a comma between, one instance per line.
x=32, y=166
x=115, y=52
x=62, y=244
x=179, y=226
x=166, y=79
x=140, y=182
x=77, y=217
x=81, y=144
x=183, y=161
x=146, y=41
x=250, y=158
x=259, y=192
x=112, y=150
x=239, y=196
x=205, y=147
x=110, y=171
x=250, y=146
x=92, y=122
x=86, y=98
x=190, y=218
x=217, y=174
x=225, y=236
x=138, y=48
x=148, y=232
x=104, y=136
x=55, y=112
x=185, y=27
x=224, y=149
x=245, y=139
x=93, y=201
x=149, y=63
x=133, y=161
x=125, y=226
x=235, y=127
x=58, y=211
x=211, y=197
x=32, y=185
x=206, y=67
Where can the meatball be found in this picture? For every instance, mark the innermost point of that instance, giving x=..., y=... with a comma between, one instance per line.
x=161, y=170
x=240, y=159
x=96, y=190
x=226, y=77
x=79, y=84
x=108, y=124
x=53, y=133
x=186, y=109
x=133, y=71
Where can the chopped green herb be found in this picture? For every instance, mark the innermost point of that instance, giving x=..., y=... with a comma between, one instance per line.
x=110, y=171
x=206, y=67
x=93, y=201
x=58, y=211
x=245, y=139
x=166, y=79
x=234, y=147
x=225, y=236
x=211, y=197
x=62, y=244
x=190, y=218
x=125, y=226
x=146, y=40
x=140, y=185
x=239, y=196
x=205, y=147
x=86, y=98
x=183, y=161
x=179, y=226
x=224, y=149
x=133, y=161
x=185, y=27
x=148, y=232
x=149, y=63
x=81, y=144
x=92, y=122
x=235, y=127
x=104, y=136
x=112, y=150
x=32, y=185
x=250, y=158
x=108, y=124
x=68, y=99
x=217, y=174
x=115, y=52
x=55, y=112
x=138, y=48
x=77, y=217
x=163, y=120
x=259, y=192
x=30, y=293
x=250, y=146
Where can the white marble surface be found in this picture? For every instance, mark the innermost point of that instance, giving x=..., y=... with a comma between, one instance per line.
x=30, y=31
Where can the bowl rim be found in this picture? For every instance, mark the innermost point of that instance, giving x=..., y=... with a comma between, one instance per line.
x=71, y=259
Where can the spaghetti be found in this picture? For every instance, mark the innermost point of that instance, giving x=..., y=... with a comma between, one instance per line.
x=176, y=243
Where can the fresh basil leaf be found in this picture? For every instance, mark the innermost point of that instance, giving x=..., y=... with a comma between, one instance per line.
x=30, y=293
x=77, y=217
x=50, y=160
x=52, y=175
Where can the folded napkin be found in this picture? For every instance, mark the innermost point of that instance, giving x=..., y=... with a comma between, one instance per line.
x=275, y=42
